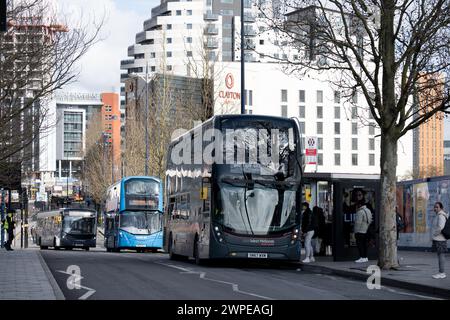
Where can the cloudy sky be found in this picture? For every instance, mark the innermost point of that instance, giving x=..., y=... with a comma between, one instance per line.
x=100, y=67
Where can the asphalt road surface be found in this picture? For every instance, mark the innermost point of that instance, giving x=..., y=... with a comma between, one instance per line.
x=142, y=276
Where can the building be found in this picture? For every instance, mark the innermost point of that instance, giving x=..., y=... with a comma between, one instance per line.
x=429, y=137
x=62, y=158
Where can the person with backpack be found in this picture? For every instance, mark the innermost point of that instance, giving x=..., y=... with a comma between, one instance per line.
x=363, y=219
x=440, y=235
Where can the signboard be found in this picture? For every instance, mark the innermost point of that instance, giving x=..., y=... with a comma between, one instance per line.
x=311, y=150
x=228, y=95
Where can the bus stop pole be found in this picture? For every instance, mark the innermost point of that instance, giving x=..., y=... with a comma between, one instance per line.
x=21, y=228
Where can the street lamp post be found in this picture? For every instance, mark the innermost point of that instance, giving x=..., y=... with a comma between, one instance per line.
x=242, y=60
x=146, y=80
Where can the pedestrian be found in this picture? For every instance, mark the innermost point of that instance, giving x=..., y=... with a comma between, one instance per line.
x=319, y=229
x=308, y=232
x=363, y=219
x=399, y=222
x=10, y=226
x=439, y=241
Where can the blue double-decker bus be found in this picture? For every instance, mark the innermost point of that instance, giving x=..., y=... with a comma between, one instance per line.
x=133, y=215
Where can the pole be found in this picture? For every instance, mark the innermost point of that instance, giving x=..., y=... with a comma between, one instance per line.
x=242, y=60
x=112, y=162
x=146, y=120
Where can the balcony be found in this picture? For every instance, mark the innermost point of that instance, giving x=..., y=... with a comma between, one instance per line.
x=209, y=16
x=135, y=49
x=126, y=62
x=145, y=37
x=249, y=17
x=211, y=30
x=212, y=43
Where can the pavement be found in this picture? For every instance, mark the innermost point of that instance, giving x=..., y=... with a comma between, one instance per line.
x=416, y=269
x=25, y=276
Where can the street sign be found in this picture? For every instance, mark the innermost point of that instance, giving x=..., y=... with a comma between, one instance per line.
x=3, y=16
x=311, y=150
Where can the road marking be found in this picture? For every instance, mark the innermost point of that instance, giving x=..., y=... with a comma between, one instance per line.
x=202, y=275
x=89, y=292
x=410, y=294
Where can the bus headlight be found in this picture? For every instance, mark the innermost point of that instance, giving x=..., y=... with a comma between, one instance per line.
x=216, y=228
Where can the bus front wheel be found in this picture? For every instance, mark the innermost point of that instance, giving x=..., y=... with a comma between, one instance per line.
x=172, y=255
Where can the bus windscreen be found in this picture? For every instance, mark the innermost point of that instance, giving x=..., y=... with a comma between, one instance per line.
x=142, y=194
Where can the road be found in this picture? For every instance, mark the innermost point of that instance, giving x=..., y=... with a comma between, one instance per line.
x=130, y=275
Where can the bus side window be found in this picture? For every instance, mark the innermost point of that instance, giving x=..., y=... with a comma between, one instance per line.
x=172, y=207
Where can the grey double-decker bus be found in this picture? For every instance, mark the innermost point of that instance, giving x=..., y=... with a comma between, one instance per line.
x=66, y=228
x=233, y=190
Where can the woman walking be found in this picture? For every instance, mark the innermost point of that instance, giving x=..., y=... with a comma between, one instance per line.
x=439, y=241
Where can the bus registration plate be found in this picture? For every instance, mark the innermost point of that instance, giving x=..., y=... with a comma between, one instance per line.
x=140, y=245
x=257, y=255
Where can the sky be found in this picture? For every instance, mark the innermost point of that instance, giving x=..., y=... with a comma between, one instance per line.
x=100, y=67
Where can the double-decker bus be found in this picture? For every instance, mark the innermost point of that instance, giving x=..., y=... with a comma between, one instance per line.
x=233, y=190
x=133, y=214
x=66, y=228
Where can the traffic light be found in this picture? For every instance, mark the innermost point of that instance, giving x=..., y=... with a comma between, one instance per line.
x=2, y=15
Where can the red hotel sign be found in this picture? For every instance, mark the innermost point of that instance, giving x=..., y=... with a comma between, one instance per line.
x=229, y=95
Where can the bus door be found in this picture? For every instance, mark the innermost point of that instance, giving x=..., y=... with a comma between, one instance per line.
x=345, y=196
x=110, y=230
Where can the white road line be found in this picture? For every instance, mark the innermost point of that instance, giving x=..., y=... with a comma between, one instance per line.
x=410, y=294
x=89, y=292
x=202, y=275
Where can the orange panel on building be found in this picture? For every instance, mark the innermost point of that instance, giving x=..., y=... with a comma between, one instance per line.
x=111, y=126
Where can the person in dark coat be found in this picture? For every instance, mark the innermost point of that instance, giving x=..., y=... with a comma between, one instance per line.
x=10, y=231
x=308, y=222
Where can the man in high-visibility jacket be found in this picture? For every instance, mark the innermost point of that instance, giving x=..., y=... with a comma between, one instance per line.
x=9, y=225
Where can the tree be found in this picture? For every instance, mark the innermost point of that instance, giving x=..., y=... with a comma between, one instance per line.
x=38, y=55
x=396, y=53
x=98, y=157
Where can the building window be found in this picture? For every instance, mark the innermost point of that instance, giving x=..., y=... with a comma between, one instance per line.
x=250, y=97
x=372, y=128
x=354, y=112
x=169, y=68
x=189, y=26
x=319, y=112
x=319, y=96
x=226, y=26
x=319, y=127
x=178, y=12
x=152, y=55
x=371, y=159
x=189, y=40
x=337, y=128
x=226, y=12
x=284, y=111
x=320, y=143
x=169, y=40
x=153, y=68
x=301, y=111
x=284, y=97
x=337, y=97
x=337, y=112
x=189, y=12
x=301, y=95
x=337, y=159
x=169, y=54
x=320, y=159
x=189, y=53
x=169, y=27
x=354, y=159
x=371, y=144
x=337, y=143
x=354, y=128
x=302, y=128
x=354, y=143
x=261, y=42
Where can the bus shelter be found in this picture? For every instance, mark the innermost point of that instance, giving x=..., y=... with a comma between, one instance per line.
x=337, y=194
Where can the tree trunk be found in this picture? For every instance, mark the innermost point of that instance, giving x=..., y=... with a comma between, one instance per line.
x=388, y=229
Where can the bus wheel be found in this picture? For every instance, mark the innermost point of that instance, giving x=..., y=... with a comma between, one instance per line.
x=172, y=256
x=197, y=259
x=54, y=245
x=86, y=248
